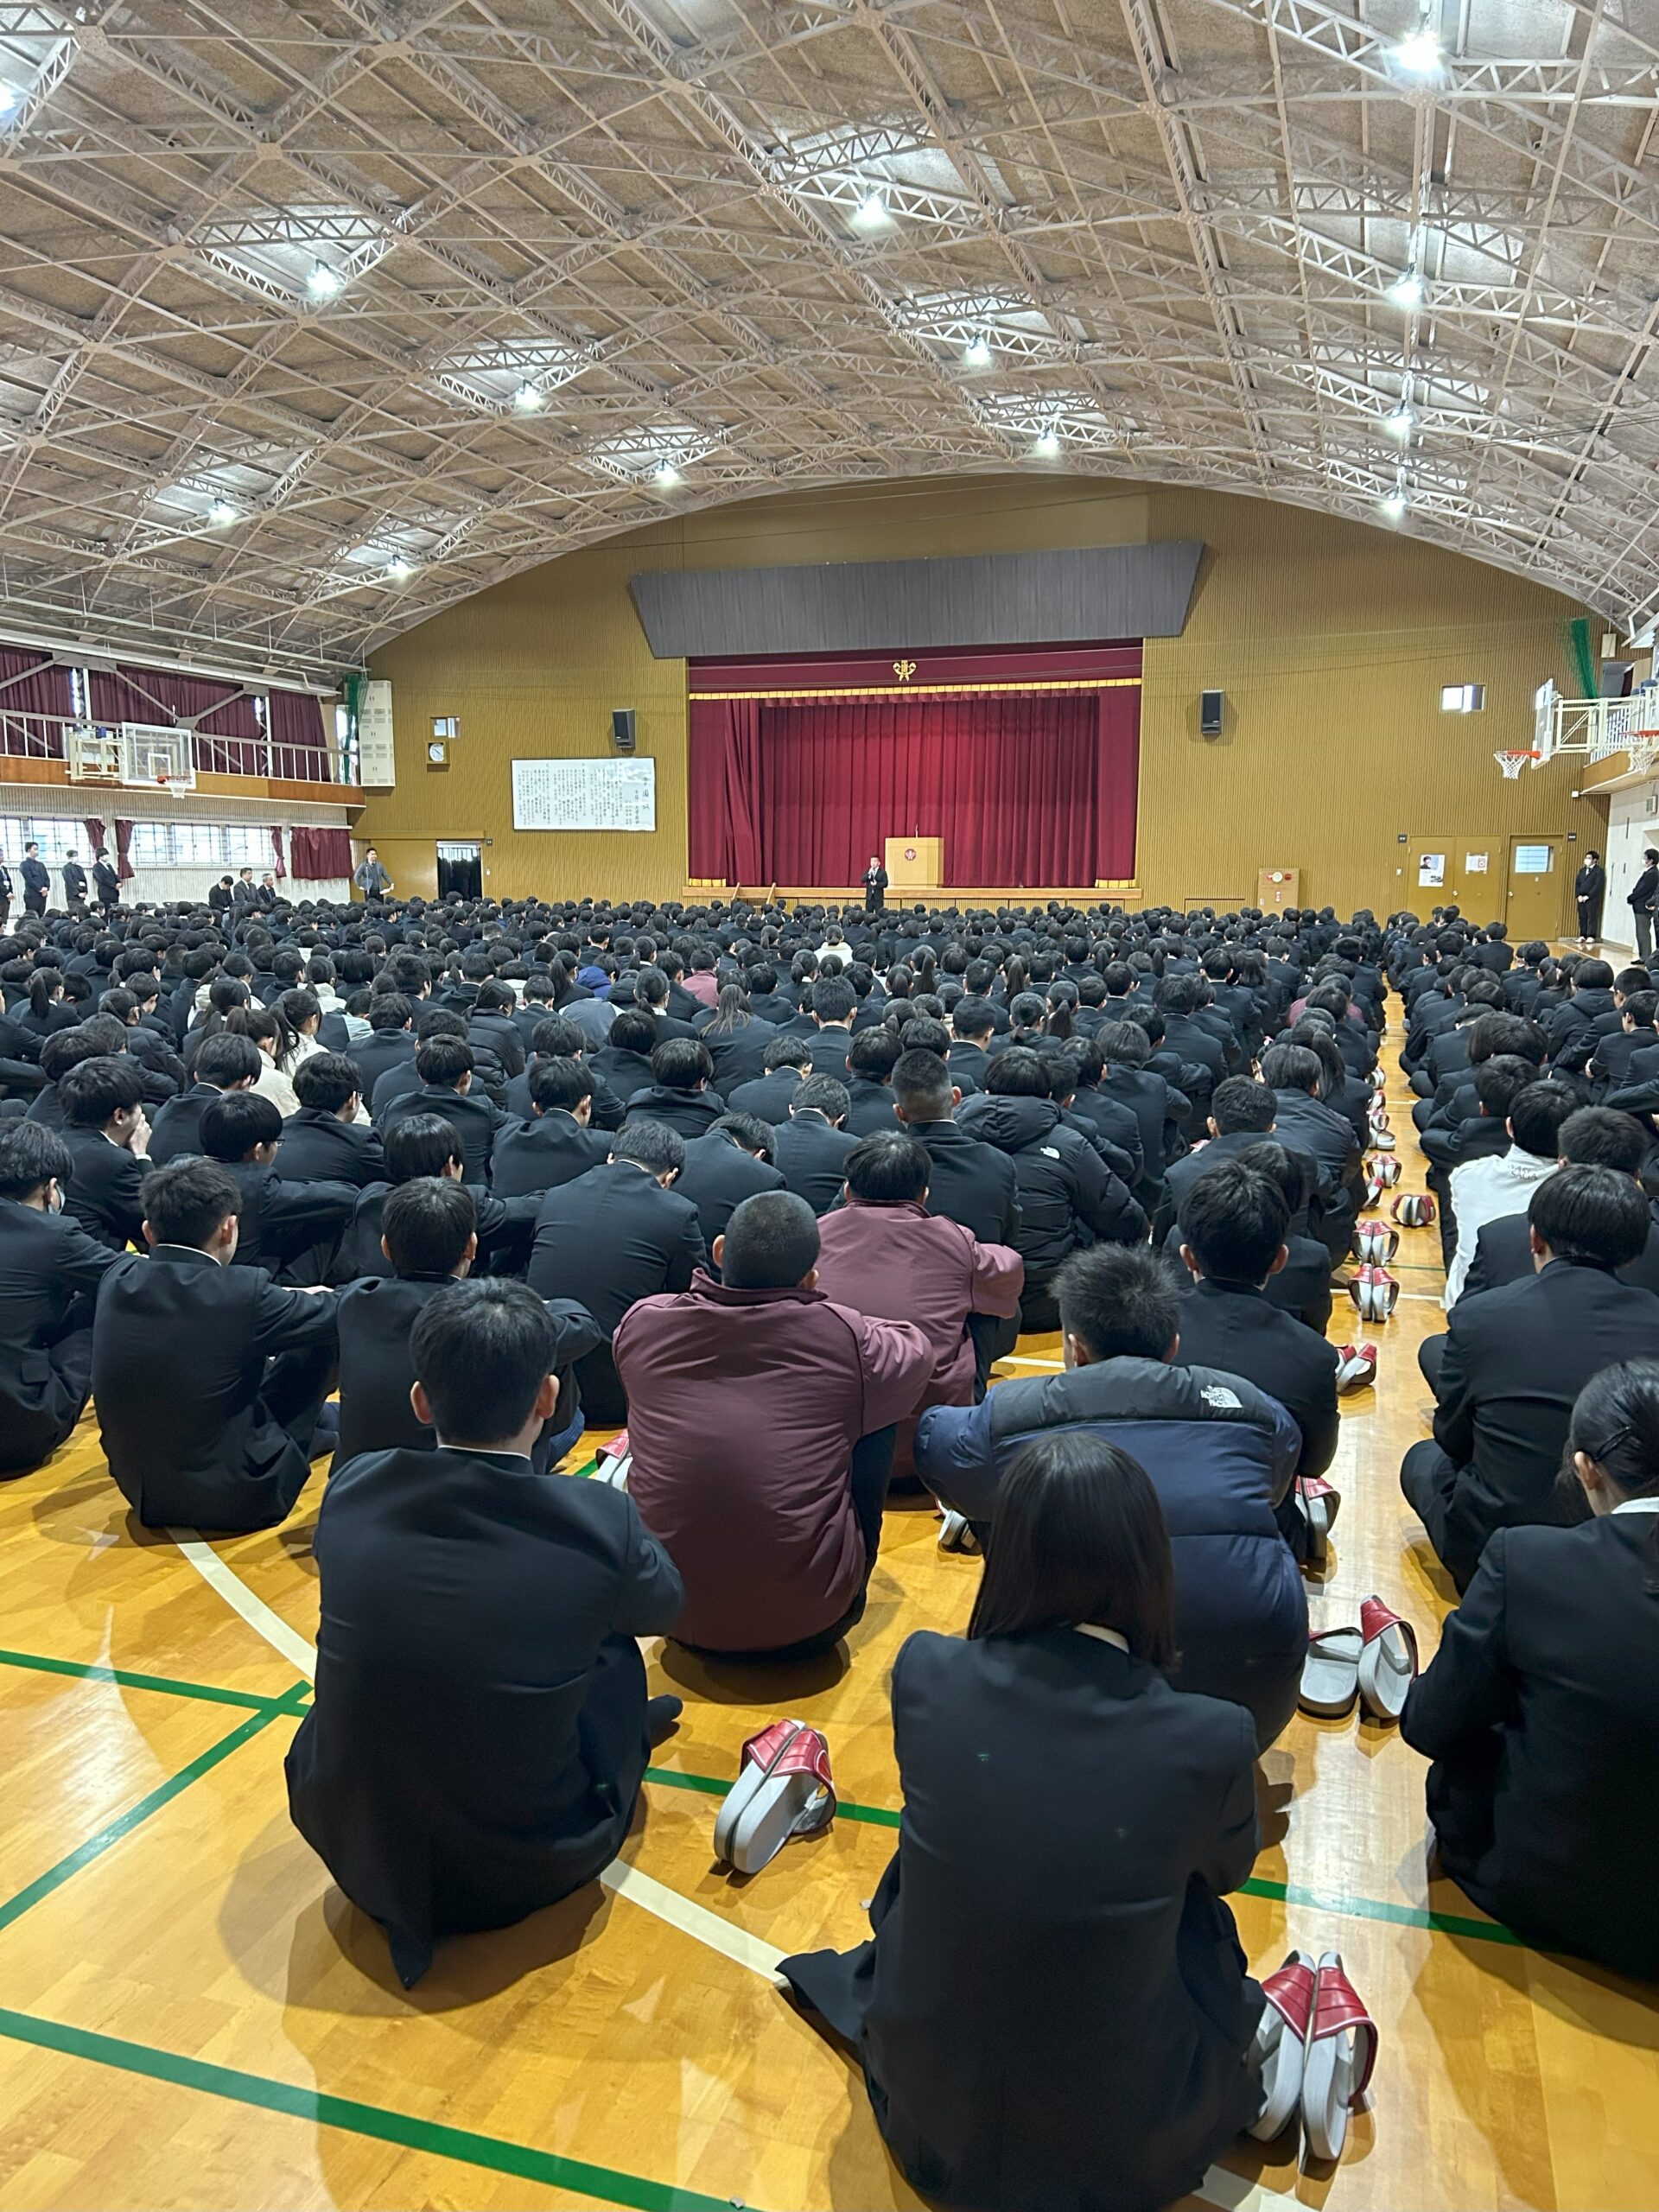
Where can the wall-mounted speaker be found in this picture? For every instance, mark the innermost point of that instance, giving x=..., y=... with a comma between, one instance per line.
x=622, y=729
x=1209, y=707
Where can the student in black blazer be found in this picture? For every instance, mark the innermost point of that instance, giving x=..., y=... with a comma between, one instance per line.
x=50, y=1270
x=624, y=1059
x=732, y=1163
x=481, y=1727
x=558, y=1038
x=557, y=1142
x=812, y=1144
x=325, y=1141
x=1054, y=2009
x=426, y=1144
x=616, y=1235
x=430, y=1241
x=443, y=1068
x=679, y=1093
x=1541, y=1709
x=208, y=1379
x=1243, y=1113
x=108, y=1139
x=390, y=1041
x=737, y=1042
x=970, y=1181
x=788, y=1061
x=1516, y=1360
x=278, y=1221
x=1596, y=1136
x=225, y=1063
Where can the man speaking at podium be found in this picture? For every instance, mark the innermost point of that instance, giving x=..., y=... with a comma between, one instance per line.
x=875, y=886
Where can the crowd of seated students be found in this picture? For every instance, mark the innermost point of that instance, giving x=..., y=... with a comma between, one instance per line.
x=776, y=1189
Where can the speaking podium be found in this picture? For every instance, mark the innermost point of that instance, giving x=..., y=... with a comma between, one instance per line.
x=914, y=863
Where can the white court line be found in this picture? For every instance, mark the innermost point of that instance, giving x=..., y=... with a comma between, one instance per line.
x=1228, y=2191
x=1023, y=1359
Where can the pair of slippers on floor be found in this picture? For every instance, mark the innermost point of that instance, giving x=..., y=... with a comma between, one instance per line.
x=1375, y=1663
x=1317, y=2046
x=783, y=1790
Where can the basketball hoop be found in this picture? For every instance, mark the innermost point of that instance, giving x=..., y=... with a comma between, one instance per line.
x=1513, y=763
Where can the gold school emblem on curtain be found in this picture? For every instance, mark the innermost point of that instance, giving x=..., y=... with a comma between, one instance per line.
x=903, y=670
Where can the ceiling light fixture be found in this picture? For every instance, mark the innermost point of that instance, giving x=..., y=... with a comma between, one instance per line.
x=871, y=213
x=399, y=569
x=1396, y=503
x=222, y=511
x=322, y=283
x=667, y=475
x=527, y=399
x=978, y=355
x=1049, y=444
x=1407, y=289
x=1399, y=425
x=10, y=99
x=1418, y=54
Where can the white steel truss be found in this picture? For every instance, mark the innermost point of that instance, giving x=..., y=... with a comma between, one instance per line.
x=314, y=320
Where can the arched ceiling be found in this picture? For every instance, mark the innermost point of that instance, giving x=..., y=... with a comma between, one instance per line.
x=316, y=318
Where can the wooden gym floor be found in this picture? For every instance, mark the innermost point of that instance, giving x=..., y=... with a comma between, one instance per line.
x=191, y=2015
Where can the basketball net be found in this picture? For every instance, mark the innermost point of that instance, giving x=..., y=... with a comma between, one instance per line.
x=1513, y=763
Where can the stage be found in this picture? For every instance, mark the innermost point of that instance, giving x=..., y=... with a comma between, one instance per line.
x=1127, y=895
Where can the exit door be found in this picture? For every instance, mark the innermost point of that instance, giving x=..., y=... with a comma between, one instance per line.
x=1537, y=888
x=1464, y=871
x=461, y=871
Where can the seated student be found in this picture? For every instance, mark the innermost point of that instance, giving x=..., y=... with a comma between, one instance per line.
x=558, y=1142
x=1516, y=1358
x=556, y=1038
x=430, y=1239
x=225, y=1062
x=1302, y=1287
x=1243, y=1113
x=391, y=1040
x=1539, y=1708
x=1486, y=1189
x=277, y=1220
x=1292, y=1073
x=50, y=1270
x=208, y=1379
x=1054, y=2009
x=330, y=1140
x=108, y=1139
x=1593, y=1137
x=973, y=1023
x=732, y=1163
x=1220, y=1451
x=761, y=1419
x=426, y=1144
x=883, y=1253
x=444, y=1066
x=623, y=1059
x=617, y=1234
x=1068, y=1197
x=834, y=1004
x=788, y=1060
x=1233, y=1228
x=968, y=1181
x=871, y=1059
x=810, y=1149
x=1456, y=1100
x=679, y=1094
x=481, y=1727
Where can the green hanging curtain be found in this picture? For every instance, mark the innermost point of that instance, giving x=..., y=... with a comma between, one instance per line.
x=1581, y=652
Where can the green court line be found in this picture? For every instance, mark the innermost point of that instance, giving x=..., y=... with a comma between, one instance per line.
x=709, y=1785
x=166, y=1684
x=586, y=1468
x=593, y=2184
x=124, y=1823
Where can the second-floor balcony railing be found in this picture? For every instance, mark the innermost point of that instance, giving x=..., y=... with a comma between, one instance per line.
x=153, y=754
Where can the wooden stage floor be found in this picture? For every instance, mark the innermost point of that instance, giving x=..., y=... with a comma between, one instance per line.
x=190, y=2015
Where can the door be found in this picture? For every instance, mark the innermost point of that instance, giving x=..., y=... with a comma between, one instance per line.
x=1464, y=871
x=1541, y=871
x=461, y=871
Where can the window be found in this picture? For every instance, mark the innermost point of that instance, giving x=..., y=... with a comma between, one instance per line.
x=155, y=844
x=1463, y=698
x=53, y=834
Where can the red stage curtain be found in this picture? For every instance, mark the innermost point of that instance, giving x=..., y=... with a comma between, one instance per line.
x=1024, y=787
x=321, y=855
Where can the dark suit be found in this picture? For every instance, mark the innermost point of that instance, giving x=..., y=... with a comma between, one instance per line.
x=318, y=1147
x=196, y=1429
x=768, y=1097
x=50, y=1270
x=476, y=1120
x=282, y=1219
x=1050, y=1939
x=177, y=1126
x=477, y=1741
x=37, y=882
x=718, y=1177
x=505, y=1227
x=869, y=1108
x=1503, y=1253
x=105, y=1191
x=1514, y=1360
x=693, y=1113
x=380, y=1050
x=1232, y=1327
x=739, y=1055
x=1541, y=1712
x=544, y=1151
x=812, y=1158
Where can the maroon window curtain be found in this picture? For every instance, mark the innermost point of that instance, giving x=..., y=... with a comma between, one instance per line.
x=34, y=704
x=299, y=742
x=93, y=825
x=279, y=866
x=321, y=855
x=226, y=736
x=124, y=869
x=1025, y=788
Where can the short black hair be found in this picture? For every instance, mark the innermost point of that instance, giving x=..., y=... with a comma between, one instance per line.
x=481, y=1352
x=632, y=1032
x=1235, y=1219
x=1124, y=1043
x=388, y=1010
x=973, y=1017
x=1290, y=1170
x=421, y=1144
x=1591, y=1215
x=681, y=1063
x=233, y=1124
x=823, y=1092
x=557, y=1084
x=888, y=1169
x=1536, y=1114
x=226, y=1059
x=771, y=1242
x=1017, y=1073
x=186, y=1200
x=650, y=1145
x=441, y=1061
x=751, y=1132
x=834, y=1000
x=1241, y=1104
x=922, y=1084
x=31, y=1156
x=786, y=1052
x=1489, y=1034
x=1118, y=1301
x=1594, y=976
x=326, y=1080
x=874, y=1054
x=92, y=1093
x=426, y=1224
x=1290, y=1067
x=1500, y=1081
x=1596, y=1136
x=555, y=1038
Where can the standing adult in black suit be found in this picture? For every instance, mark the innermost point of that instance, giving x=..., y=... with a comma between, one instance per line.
x=1054, y=2008
x=1516, y=1360
x=106, y=883
x=1643, y=894
x=74, y=882
x=617, y=1234
x=480, y=1727
x=1589, y=890
x=208, y=1379
x=108, y=1137
x=49, y=1272
x=36, y=880
x=1541, y=1709
x=875, y=886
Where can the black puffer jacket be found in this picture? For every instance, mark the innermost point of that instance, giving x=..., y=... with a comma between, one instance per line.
x=1068, y=1196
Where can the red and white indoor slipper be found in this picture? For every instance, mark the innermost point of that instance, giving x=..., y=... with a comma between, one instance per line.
x=783, y=1790
x=1318, y=1502
x=613, y=1462
x=1414, y=1209
x=1341, y=2051
x=1375, y=1293
x=1356, y=1368
x=1330, y=1680
x=1375, y=1243
x=1281, y=2043
x=1388, y=1663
